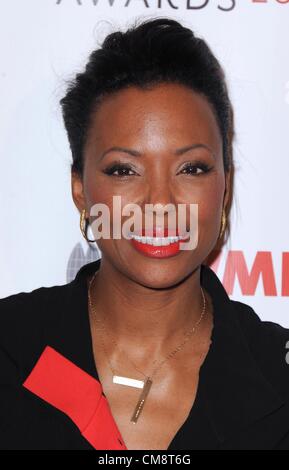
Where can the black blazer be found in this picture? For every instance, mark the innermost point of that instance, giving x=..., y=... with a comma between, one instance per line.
x=242, y=400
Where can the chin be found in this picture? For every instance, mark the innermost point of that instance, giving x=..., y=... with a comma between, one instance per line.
x=159, y=278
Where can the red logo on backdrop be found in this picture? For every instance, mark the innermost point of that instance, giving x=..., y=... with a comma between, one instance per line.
x=237, y=270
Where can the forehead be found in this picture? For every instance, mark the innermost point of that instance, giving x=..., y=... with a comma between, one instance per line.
x=167, y=114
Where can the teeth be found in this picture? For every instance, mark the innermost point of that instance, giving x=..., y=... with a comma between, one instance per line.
x=156, y=241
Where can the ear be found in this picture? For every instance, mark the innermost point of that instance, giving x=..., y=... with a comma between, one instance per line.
x=228, y=188
x=77, y=191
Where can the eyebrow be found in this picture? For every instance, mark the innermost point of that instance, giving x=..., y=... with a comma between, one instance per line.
x=136, y=153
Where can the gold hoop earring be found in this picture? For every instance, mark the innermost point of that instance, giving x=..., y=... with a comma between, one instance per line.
x=223, y=224
x=83, y=226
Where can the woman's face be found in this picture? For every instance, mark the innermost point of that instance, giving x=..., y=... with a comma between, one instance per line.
x=155, y=123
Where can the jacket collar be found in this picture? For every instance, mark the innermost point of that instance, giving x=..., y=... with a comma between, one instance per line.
x=235, y=392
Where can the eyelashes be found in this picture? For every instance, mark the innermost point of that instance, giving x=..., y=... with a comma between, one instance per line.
x=196, y=165
x=123, y=170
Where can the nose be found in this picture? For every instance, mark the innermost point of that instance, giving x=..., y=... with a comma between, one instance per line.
x=160, y=191
x=160, y=200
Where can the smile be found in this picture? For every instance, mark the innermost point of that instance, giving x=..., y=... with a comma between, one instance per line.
x=156, y=241
x=157, y=247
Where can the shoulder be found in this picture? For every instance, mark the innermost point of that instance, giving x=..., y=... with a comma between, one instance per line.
x=268, y=342
x=257, y=329
x=24, y=319
x=22, y=309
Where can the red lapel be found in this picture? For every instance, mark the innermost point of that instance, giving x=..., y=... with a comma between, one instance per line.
x=64, y=385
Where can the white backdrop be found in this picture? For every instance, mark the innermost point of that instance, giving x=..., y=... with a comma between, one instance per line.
x=43, y=43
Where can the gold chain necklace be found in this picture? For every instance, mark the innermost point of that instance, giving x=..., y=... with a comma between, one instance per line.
x=145, y=385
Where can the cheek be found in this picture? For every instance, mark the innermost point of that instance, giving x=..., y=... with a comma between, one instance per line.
x=98, y=193
x=102, y=189
x=209, y=200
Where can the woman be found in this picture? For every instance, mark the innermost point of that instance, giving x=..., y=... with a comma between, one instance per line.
x=144, y=349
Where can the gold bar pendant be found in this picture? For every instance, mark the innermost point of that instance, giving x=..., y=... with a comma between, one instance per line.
x=141, y=401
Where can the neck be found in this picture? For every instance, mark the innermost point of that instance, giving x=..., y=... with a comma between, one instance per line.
x=138, y=316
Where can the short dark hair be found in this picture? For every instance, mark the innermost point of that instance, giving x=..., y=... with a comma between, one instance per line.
x=158, y=50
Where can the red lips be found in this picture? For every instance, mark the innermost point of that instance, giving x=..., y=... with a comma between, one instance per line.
x=164, y=251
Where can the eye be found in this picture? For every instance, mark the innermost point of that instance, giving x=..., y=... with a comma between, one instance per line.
x=191, y=168
x=119, y=170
